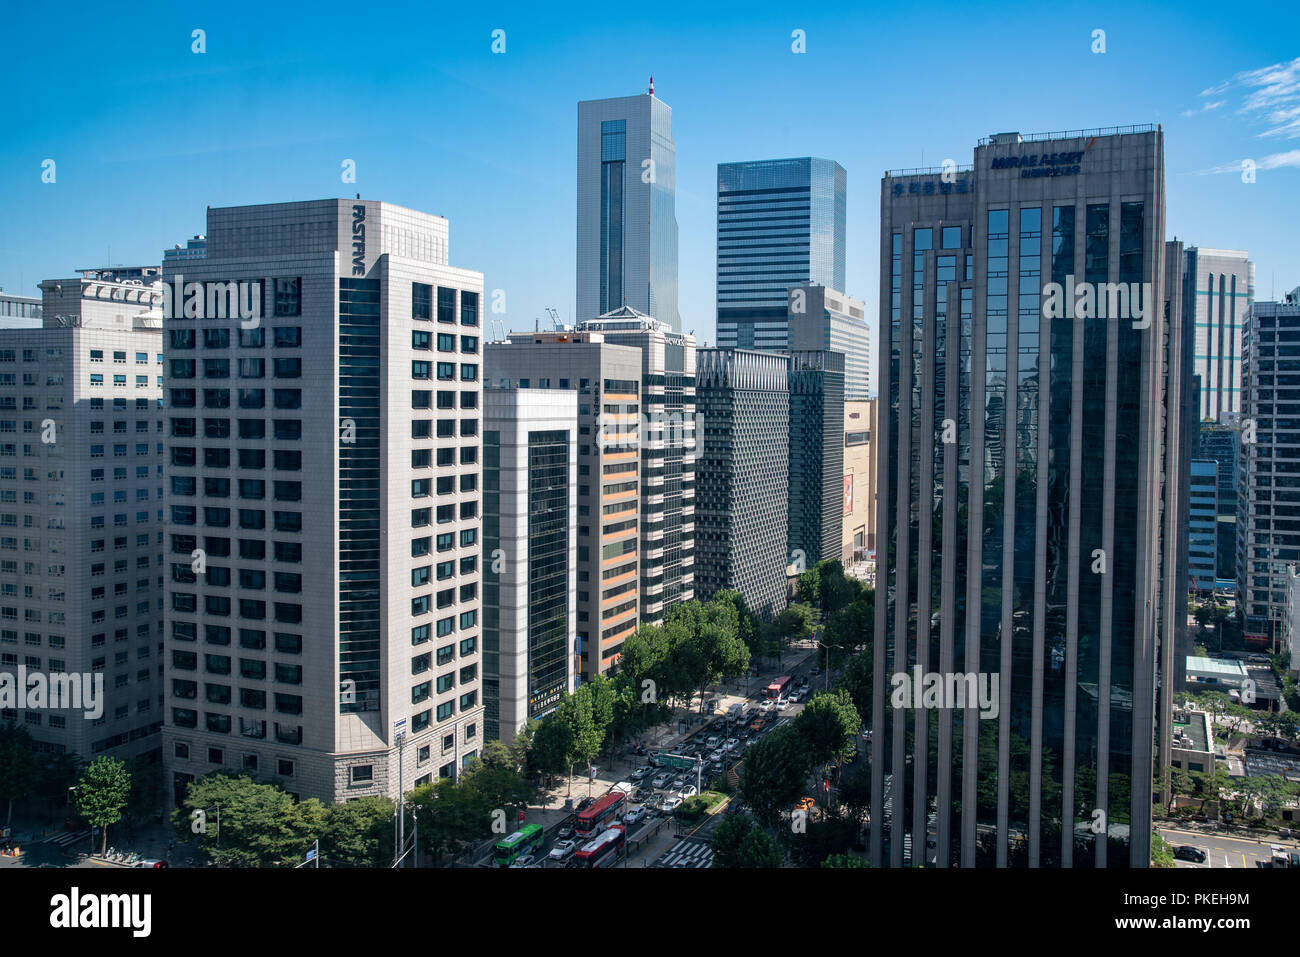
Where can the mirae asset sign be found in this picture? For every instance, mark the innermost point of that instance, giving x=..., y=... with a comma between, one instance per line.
x=1041, y=164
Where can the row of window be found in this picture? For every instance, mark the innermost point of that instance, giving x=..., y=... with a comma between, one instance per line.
x=283, y=337
x=244, y=398
x=119, y=381
x=255, y=368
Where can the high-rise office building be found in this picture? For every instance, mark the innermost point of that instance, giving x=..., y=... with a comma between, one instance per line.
x=530, y=548
x=668, y=453
x=195, y=248
x=81, y=516
x=823, y=320
x=859, y=521
x=816, y=473
x=742, y=474
x=1268, y=537
x=1027, y=540
x=781, y=223
x=323, y=387
x=1203, y=510
x=607, y=378
x=1222, y=444
x=1224, y=289
x=627, y=218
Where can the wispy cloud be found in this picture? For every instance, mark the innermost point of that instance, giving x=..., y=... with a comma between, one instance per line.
x=1270, y=97
x=1272, y=161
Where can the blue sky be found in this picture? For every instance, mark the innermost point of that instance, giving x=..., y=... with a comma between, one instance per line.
x=146, y=133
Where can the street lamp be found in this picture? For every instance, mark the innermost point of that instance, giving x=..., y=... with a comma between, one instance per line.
x=828, y=662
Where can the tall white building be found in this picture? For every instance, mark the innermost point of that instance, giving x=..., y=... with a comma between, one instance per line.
x=323, y=385
x=1225, y=289
x=81, y=514
x=530, y=540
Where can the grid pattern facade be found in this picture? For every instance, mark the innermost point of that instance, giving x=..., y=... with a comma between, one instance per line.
x=1224, y=290
x=816, y=500
x=741, y=510
x=1268, y=539
x=324, y=469
x=81, y=500
x=1203, y=508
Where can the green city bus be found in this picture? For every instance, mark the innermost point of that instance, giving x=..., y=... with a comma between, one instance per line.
x=526, y=840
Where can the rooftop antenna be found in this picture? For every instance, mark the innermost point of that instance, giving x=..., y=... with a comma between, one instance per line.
x=652, y=84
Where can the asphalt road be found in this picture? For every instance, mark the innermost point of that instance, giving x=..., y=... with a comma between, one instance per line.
x=1222, y=850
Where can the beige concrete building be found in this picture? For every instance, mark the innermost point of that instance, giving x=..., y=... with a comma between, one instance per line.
x=859, y=481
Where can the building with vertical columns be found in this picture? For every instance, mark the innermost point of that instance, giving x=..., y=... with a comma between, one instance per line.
x=530, y=548
x=1224, y=288
x=668, y=453
x=742, y=510
x=323, y=383
x=859, y=521
x=607, y=379
x=1024, y=509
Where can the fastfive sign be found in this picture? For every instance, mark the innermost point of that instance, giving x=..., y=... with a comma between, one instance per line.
x=359, y=240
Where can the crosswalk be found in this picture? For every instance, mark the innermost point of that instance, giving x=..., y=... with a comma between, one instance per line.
x=687, y=854
x=68, y=838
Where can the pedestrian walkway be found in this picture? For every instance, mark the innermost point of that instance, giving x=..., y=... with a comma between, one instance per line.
x=67, y=838
x=687, y=853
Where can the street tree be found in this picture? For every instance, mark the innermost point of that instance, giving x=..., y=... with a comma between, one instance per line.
x=103, y=793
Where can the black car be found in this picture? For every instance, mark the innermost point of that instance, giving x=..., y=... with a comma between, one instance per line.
x=1186, y=852
x=585, y=803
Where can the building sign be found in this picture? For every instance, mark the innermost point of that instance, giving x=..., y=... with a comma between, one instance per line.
x=358, y=240
x=931, y=187
x=1033, y=165
x=848, y=494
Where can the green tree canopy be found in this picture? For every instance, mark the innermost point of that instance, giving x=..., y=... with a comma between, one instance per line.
x=260, y=824
x=103, y=793
x=358, y=833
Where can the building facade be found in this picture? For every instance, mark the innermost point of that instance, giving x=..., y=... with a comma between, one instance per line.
x=1268, y=538
x=822, y=319
x=816, y=472
x=627, y=218
x=607, y=379
x=781, y=223
x=1224, y=289
x=1203, y=510
x=81, y=515
x=323, y=390
x=1026, y=531
x=1222, y=443
x=859, y=524
x=741, y=511
x=668, y=452
x=19, y=312
x=530, y=544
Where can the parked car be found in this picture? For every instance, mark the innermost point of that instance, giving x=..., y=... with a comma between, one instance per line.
x=563, y=850
x=1187, y=852
x=151, y=862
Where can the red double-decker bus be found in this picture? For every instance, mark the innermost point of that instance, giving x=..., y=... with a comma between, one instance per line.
x=595, y=818
x=602, y=851
x=779, y=687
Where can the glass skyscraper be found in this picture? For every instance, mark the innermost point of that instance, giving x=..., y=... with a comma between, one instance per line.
x=627, y=220
x=781, y=223
x=1023, y=513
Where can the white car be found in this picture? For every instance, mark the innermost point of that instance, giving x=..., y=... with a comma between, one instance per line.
x=782, y=704
x=563, y=850
x=767, y=705
x=639, y=773
x=660, y=780
x=717, y=756
x=688, y=791
x=525, y=860
x=712, y=742
x=795, y=696
x=636, y=815
x=671, y=804
x=731, y=744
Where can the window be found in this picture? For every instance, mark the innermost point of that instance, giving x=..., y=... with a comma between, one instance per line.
x=288, y=297
x=468, y=308
x=420, y=370
x=446, y=305
x=362, y=773
x=288, y=337
x=421, y=301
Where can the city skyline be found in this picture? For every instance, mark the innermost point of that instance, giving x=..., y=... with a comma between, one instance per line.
x=494, y=148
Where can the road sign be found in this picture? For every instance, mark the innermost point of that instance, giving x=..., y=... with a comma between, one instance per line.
x=311, y=855
x=677, y=761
